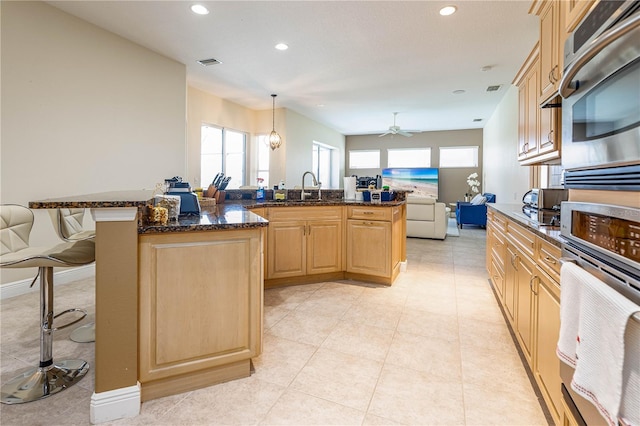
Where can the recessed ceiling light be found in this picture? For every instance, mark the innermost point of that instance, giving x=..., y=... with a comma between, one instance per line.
x=199, y=9
x=448, y=10
x=459, y=92
x=281, y=46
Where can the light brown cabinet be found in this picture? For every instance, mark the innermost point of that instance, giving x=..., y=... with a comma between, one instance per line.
x=538, y=128
x=303, y=241
x=547, y=364
x=200, y=308
x=531, y=301
x=551, y=40
x=574, y=11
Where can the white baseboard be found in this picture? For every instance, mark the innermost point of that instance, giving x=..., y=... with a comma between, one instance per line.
x=62, y=277
x=115, y=404
x=403, y=266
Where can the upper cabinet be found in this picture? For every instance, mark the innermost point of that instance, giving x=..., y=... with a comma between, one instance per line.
x=551, y=32
x=574, y=11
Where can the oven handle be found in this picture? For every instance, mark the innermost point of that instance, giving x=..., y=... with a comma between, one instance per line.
x=596, y=47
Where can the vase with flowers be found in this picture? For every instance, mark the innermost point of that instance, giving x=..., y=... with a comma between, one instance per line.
x=474, y=186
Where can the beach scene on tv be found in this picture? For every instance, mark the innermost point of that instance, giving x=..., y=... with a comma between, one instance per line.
x=423, y=181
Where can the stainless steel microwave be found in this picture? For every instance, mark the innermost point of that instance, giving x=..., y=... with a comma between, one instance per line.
x=600, y=88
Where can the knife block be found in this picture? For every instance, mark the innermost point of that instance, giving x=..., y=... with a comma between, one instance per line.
x=220, y=195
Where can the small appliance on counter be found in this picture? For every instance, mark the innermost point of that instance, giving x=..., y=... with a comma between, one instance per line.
x=543, y=205
x=188, y=200
x=366, y=181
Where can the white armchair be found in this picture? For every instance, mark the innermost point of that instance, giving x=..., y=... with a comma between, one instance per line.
x=426, y=218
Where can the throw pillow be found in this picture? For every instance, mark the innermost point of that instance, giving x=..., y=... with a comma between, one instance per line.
x=475, y=199
x=479, y=201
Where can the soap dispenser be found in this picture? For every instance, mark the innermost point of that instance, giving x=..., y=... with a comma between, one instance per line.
x=260, y=191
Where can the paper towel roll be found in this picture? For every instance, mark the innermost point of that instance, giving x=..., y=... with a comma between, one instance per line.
x=350, y=188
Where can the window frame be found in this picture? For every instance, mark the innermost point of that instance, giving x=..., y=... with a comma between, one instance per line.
x=351, y=166
x=224, y=153
x=425, y=148
x=476, y=153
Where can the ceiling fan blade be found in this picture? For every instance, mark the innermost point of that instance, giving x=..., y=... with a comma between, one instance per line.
x=385, y=134
x=403, y=133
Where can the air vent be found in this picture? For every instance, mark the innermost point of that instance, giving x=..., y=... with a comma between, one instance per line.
x=494, y=88
x=621, y=178
x=475, y=120
x=207, y=62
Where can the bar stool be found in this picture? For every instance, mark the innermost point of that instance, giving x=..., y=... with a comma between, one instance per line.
x=68, y=224
x=48, y=378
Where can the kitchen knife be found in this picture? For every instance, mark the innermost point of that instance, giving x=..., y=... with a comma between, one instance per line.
x=224, y=183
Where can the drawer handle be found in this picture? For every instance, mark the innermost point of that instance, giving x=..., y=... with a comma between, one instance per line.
x=531, y=285
x=367, y=212
x=549, y=260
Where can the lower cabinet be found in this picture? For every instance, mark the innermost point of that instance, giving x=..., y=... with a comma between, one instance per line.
x=547, y=364
x=200, y=308
x=369, y=247
x=531, y=301
x=302, y=247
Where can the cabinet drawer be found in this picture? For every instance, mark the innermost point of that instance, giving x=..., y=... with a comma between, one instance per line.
x=524, y=239
x=499, y=222
x=498, y=248
x=369, y=213
x=548, y=258
x=283, y=214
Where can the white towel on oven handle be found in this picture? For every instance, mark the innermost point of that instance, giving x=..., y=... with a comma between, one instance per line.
x=594, y=319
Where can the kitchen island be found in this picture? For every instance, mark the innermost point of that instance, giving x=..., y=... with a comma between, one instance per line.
x=155, y=287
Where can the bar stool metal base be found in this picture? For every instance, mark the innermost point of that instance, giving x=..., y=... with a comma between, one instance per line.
x=38, y=383
x=84, y=334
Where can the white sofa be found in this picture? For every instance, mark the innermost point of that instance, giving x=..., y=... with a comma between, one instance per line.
x=426, y=218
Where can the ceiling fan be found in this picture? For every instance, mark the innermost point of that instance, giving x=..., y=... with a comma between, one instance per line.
x=396, y=130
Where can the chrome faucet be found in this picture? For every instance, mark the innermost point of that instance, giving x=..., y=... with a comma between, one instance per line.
x=303, y=194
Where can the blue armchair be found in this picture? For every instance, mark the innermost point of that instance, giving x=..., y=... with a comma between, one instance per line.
x=469, y=214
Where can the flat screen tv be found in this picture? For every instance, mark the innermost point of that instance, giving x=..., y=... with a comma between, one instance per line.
x=423, y=181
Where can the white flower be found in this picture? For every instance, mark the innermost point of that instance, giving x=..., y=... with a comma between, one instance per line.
x=473, y=183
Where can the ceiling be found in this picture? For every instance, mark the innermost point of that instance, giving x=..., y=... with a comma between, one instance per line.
x=350, y=64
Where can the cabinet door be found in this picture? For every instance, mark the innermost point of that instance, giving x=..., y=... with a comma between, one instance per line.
x=550, y=67
x=369, y=247
x=547, y=364
x=510, y=277
x=533, y=111
x=324, y=246
x=200, y=301
x=523, y=135
x=574, y=11
x=286, y=249
x=525, y=276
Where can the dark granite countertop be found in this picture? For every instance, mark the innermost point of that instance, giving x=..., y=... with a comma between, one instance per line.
x=514, y=212
x=296, y=203
x=138, y=198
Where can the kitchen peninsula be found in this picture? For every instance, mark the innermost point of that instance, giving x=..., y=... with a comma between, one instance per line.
x=179, y=306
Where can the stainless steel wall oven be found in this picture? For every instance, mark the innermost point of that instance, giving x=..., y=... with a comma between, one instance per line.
x=604, y=240
x=601, y=99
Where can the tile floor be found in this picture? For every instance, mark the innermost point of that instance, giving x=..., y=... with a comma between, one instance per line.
x=431, y=349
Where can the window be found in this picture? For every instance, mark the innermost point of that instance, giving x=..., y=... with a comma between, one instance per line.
x=409, y=157
x=223, y=151
x=263, y=159
x=459, y=156
x=364, y=159
x=322, y=163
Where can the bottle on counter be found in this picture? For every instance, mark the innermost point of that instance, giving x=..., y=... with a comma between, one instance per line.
x=260, y=191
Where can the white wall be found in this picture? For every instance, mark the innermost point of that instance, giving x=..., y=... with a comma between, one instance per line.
x=301, y=132
x=83, y=111
x=298, y=134
x=502, y=173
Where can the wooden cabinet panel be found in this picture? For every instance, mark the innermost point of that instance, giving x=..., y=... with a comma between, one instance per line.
x=548, y=258
x=369, y=213
x=369, y=247
x=525, y=276
x=510, y=280
x=574, y=11
x=200, y=301
x=286, y=249
x=324, y=246
x=550, y=61
x=547, y=364
x=522, y=238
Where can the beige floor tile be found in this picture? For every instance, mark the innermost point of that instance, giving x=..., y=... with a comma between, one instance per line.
x=325, y=306
x=304, y=328
x=427, y=323
x=484, y=407
x=376, y=314
x=435, y=356
x=297, y=408
x=281, y=359
x=371, y=420
x=416, y=398
x=273, y=314
x=342, y=378
x=360, y=340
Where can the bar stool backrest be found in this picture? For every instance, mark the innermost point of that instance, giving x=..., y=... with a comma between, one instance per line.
x=16, y=223
x=68, y=224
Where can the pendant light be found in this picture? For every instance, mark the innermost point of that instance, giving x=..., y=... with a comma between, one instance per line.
x=274, y=138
